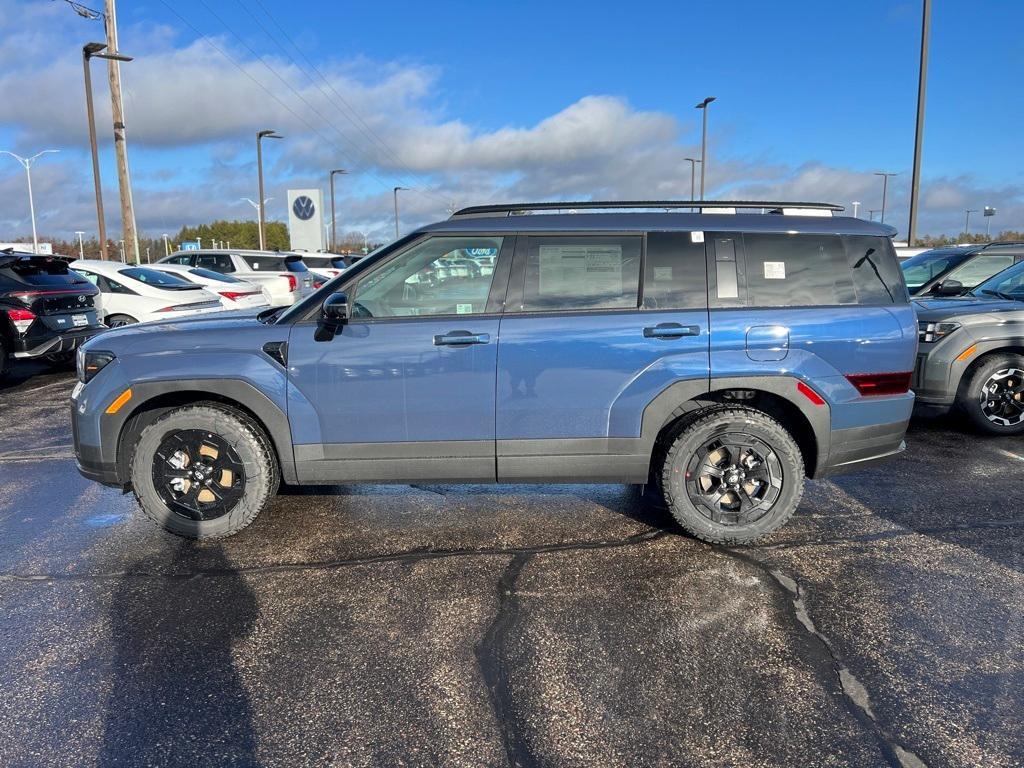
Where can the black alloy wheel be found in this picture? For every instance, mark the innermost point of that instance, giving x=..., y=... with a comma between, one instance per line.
x=198, y=475
x=734, y=479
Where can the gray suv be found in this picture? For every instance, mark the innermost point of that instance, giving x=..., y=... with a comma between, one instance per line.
x=971, y=353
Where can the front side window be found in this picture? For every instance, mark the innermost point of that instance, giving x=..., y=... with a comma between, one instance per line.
x=430, y=278
x=794, y=270
x=580, y=273
x=920, y=270
x=980, y=268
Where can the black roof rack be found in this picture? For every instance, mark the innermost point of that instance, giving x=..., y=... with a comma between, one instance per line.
x=510, y=209
x=1002, y=242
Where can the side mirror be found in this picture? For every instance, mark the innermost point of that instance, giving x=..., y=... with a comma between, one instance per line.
x=333, y=315
x=949, y=288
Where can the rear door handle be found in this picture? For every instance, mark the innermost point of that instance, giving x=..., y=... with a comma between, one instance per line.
x=670, y=331
x=461, y=339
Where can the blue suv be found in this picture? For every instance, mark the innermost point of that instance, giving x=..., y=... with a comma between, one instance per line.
x=720, y=355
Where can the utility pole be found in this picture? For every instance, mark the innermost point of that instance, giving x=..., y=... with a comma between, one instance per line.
x=334, y=216
x=120, y=140
x=885, y=188
x=396, y=190
x=967, y=221
x=922, y=81
x=704, y=142
x=262, y=210
x=81, y=245
x=856, y=206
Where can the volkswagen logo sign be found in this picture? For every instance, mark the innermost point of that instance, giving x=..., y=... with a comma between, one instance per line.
x=303, y=208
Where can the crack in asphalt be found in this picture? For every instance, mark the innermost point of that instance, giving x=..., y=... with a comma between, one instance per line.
x=852, y=688
x=409, y=556
x=490, y=656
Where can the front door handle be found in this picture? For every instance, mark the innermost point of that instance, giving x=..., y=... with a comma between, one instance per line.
x=461, y=339
x=670, y=331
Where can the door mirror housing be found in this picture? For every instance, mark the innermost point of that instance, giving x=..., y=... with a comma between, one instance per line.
x=949, y=288
x=333, y=315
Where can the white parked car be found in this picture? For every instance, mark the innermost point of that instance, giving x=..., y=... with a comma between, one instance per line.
x=234, y=293
x=284, y=275
x=132, y=293
x=327, y=265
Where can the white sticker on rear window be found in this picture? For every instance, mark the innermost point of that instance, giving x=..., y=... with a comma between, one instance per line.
x=464, y=309
x=663, y=274
x=775, y=270
x=696, y=237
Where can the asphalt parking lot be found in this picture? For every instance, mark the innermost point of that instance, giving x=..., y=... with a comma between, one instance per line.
x=512, y=625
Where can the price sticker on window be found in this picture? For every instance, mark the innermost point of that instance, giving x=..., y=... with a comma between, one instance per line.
x=775, y=270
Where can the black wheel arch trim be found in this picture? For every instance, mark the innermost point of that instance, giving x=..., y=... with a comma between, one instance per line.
x=115, y=428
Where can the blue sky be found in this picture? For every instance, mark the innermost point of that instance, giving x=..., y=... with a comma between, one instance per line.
x=471, y=101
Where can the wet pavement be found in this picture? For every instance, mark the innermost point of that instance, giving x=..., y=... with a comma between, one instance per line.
x=512, y=625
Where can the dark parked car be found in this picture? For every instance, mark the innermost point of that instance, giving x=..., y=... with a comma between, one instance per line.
x=958, y=270
x=45, y=309
x=722, y=358
x=972, y=353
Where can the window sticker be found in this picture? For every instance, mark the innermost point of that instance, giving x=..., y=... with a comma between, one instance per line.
x=564, y=268
x=696, y=237
x=464, y=309
x=663, y=274
x=775, y=270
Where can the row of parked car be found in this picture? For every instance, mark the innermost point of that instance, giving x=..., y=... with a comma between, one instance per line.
x=51, y=304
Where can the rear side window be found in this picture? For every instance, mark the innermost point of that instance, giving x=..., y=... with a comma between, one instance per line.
x=877, y=277
x=185, y=259
x=675, y=272
x=274, y=264
x=793, y=270
x=567, y=273
x=218, y=262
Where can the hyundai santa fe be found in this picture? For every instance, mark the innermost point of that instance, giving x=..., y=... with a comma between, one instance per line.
x=720, y=357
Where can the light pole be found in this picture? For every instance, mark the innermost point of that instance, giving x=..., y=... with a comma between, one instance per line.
x=922, y=80
x=167, y=245
x=967, y=220
x=693, y=174
x=988, y=213
x=26, y=163
x=90, y=50
x=885, y=188
x=704, y=142
x=856, y=207
x=334, y=229
x=81, y=245
x=261, y=211
x=396, y=190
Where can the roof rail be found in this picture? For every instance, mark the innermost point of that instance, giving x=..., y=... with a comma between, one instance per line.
x=1002, y=242
x=510, y=209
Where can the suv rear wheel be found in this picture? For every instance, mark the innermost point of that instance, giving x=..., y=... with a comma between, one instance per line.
x=116, y=321
x=732, y=475
x=204, y=471
x=994, y=397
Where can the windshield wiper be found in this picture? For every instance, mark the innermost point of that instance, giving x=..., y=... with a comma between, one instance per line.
x=1001, y=295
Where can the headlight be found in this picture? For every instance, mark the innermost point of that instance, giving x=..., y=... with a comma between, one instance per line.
x=90, y=363
x=929, y=332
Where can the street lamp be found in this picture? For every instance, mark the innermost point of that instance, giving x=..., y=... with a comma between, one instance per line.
x=885, y=188
x=167, y=245
x=81, y=245
x=967, y=221
x=334, y=229
x=704, y=142
x=693, y=170
x=261, y=209
x=988, y=213
x=26, y=163
x=856, y=207
x=90, y=50
x=396, y=190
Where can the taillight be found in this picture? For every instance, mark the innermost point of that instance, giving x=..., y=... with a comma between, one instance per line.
x=293, y=283
x=235, y=295
x=872, y=384
x=317, y=283
x=21, y=319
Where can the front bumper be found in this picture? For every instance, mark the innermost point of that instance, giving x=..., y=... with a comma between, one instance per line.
x=65, y=342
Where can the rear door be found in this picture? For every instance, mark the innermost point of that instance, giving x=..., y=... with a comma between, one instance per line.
x=595, y=327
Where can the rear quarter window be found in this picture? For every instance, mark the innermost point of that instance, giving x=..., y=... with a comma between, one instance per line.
x=795, y=270
x=877, y=277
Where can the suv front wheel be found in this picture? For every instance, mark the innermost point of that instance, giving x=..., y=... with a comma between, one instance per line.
x=204, y=471
x=994, y=397
x=732, y=475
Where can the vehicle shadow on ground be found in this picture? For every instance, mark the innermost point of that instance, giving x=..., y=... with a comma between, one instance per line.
x=175, y=695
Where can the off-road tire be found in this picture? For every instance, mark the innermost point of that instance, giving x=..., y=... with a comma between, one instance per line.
x=262, y=475
x=118, y=320
x=695, y=431
x=969, y=397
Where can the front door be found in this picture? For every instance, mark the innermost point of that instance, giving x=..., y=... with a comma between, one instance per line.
x=405, y=391
x=596, y=327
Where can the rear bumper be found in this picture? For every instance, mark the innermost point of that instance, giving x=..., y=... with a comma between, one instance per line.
x=858, y=447
x=65, y=342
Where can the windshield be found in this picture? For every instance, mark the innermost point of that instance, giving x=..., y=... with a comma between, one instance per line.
x=155, y=277
x=925, y=267
x=1008, y=284
x=209, y=274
